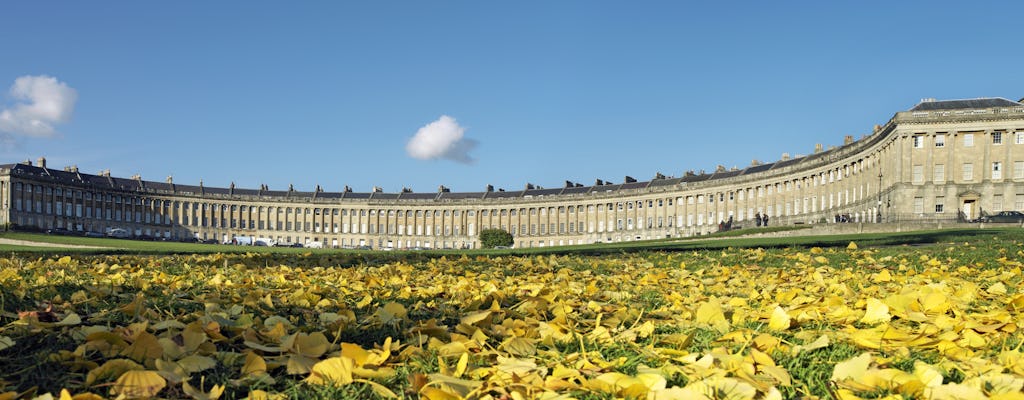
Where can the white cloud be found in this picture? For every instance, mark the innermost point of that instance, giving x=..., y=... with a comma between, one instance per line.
x=441, y=139
x=41, y=102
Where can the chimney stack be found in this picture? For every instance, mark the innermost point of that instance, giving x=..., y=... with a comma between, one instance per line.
x=42, y=162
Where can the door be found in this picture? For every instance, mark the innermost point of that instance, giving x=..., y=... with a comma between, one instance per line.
x=969, y=209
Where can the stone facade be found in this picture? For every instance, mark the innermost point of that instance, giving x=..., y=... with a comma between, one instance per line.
x=940, y=161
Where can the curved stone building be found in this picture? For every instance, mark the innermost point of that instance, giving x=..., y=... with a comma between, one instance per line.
x=939, y=161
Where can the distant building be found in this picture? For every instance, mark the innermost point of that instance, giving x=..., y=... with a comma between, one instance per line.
x=939, y=161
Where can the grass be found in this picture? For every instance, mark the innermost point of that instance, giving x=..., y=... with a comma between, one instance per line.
x=722, y=240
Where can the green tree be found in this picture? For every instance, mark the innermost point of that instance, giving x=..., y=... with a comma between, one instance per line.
x=491, y=238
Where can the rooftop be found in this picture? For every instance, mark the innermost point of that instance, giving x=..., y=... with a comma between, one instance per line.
x=991, y=102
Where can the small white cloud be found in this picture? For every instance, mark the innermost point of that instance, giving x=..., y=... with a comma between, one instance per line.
x=41, y=102
x=441, y=139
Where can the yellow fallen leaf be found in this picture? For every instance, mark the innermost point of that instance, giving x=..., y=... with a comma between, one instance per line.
x=779, y=320
x=334, y=370
x=852, y=369
x=197, y=363
x=710, y=313
x=198, y=394
x=138, y=384
x=876, y=312
x=311, y=345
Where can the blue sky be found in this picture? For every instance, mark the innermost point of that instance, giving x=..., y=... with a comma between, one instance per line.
x=332, y=93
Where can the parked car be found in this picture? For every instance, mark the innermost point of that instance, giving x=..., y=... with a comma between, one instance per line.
x=93, y=234
x=1004, y=216
x=58, y=231
x=118, y=233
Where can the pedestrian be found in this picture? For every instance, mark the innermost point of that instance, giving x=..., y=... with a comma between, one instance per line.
x=757, y=218
x=766, y=220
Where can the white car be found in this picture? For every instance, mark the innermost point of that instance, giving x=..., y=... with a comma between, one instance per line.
x=118, y=233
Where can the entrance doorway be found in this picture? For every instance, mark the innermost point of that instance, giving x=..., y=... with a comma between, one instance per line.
x=969, y=210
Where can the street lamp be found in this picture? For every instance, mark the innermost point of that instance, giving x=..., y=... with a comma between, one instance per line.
x=878, y=215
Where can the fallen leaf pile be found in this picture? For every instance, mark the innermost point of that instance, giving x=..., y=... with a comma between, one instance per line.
x=847, y=323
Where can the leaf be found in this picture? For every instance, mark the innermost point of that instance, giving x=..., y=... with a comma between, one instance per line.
x=70, y=320
x=334, y=370
x=433, y=393
x=300, y=365
x=779, y=320
x=853, y=369
x=5, y=342
x=145, y=347
x=196, y=363
x=819, y=343
x=109, y=370
x=171, y=371
x=311, y=345
x=254, y=365
x=518, y=346
x=379, y=389
x=927, y=374
x=138, y=384
x=215, y=392
x=876, y=312
x=391, y=313
x=473, y=318
x=710, y=313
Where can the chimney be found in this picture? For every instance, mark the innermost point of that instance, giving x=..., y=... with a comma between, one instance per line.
x=42, y=162
x=490, y=188
x=848, y=139
x=817, y=148
x=785, y=156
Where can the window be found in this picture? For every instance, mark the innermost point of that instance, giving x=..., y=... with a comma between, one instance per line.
x=968, y=140
x=1020, y=137
x=918, y=174
x=939, y=207
x=1018, y=170
x=918, y=141
x=919, y=205
x=940, y=140
x=997, y=170
x=939, y=172
x=997, y=138
x=968, y=172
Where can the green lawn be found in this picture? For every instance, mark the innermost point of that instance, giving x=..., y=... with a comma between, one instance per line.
x=715, y=241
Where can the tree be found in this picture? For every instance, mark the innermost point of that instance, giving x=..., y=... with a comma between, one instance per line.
x=491, y=238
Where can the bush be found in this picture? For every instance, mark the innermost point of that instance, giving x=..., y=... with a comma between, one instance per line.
x=491, y=238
